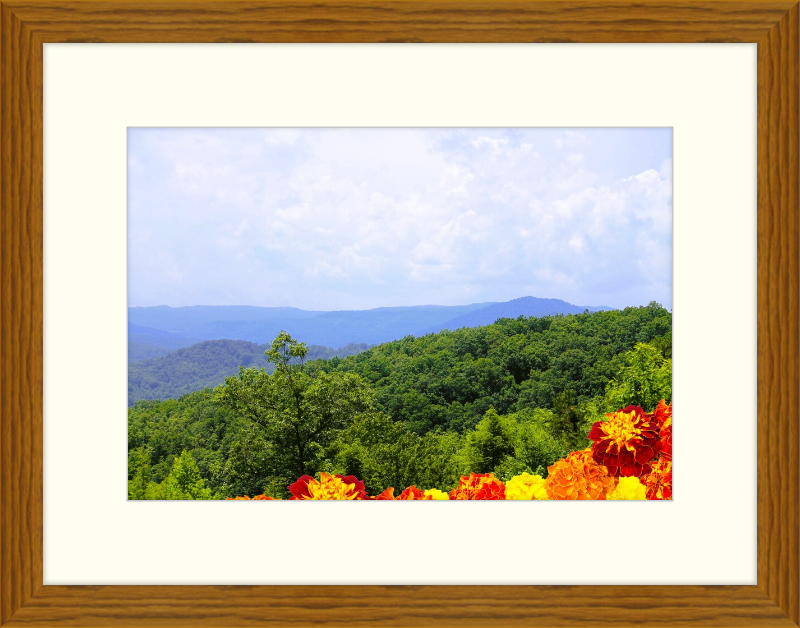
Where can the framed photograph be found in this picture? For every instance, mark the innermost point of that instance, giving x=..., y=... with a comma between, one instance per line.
x=50, y=463
x=387, y=277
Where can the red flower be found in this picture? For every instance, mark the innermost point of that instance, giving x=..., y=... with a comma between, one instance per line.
x=359, y=485
x=299, y=489
x=626, y=443
x=479, y=486
x=663, y=416
x=659, y=481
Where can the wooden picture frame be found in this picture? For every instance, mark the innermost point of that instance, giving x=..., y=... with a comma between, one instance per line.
x=27, y=24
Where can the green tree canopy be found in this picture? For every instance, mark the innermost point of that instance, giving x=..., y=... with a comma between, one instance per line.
x=491, y=442
x=139, y=463
x=184, y=482
x=646, y=380
x=297, y=414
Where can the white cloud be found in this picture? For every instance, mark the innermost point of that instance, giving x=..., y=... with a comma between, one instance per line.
x=495, y=144
x=579, y=179
x=574, y=159
x=354, y=218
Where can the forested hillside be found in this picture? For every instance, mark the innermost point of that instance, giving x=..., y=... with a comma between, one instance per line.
x=507, y=398
x=148, y=342
x=450, y=379
x=206, y=364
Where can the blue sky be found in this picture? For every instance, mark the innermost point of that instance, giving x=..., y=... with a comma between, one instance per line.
x=335, y=219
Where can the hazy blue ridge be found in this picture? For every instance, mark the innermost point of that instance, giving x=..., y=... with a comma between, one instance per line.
x=157, y=337
x=206, y=364
x=185, y=320
x=524, y=306
x=329, y=329
x=170, y=328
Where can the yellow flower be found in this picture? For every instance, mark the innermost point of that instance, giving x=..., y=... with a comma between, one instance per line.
x=526, y=486
x=435, y=493
x=628, y=488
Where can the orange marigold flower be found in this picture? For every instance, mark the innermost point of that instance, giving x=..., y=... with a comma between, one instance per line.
x=412, y=492
x=479, y=486
x=387, y=494
x=262, y=496
x=578, y=476
x=235, y=498
x=626, y=443
x=662, y=413
x=659, y=481
x=328, y=487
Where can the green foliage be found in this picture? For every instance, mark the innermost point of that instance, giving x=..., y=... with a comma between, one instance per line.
x=440, y=460
x=139, y=463
x=538, y=444
x=491, y=442
x=384, y=453
x=645, y=380
x=184, y=482
x=296, y=415
x=663, y=344
x=251, y=466
x=195, y=422
x=517, y=443
x=377, y=450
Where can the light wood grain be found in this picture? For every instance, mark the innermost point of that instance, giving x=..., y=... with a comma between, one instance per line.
x=27, y=25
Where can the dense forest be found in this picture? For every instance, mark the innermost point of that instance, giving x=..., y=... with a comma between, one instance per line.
x=507, y=398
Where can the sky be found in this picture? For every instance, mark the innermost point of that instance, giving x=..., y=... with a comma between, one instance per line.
x=347, y=219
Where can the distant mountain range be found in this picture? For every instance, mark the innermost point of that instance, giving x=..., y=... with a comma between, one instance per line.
x=155, y=331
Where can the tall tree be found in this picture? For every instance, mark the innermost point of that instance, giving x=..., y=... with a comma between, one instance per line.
x=297, y=414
